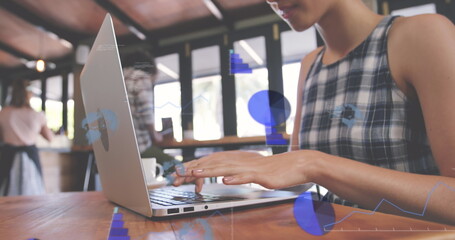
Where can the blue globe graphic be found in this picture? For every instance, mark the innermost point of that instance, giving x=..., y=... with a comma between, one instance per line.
x=269, y=108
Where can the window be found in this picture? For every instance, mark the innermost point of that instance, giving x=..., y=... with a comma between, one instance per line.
x=295, y=46
x=167, y=94
x=207, y=102
x=70, y=105
x=35, y=101
x=54, y=105
x=70, y=132
x=252, y=51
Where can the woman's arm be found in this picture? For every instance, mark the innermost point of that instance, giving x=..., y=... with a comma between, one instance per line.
x=46, y=133
x=422, y=55
x=368, y=185
x=357, y=182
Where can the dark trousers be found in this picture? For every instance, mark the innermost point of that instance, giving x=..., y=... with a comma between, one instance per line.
x=7, y=154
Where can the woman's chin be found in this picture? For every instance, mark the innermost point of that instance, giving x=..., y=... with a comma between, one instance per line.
x=299, y=27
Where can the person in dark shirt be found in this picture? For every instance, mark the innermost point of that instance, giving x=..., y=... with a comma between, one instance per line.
x=140, y=73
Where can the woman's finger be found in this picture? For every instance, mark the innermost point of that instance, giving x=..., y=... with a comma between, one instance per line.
x=182, y=170
x=178, y=181
x=199, y=182
x=190, y=179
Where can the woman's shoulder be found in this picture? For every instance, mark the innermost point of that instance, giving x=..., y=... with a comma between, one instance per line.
x=418, y=40
x=7, y=109
x=422, y=22
x=31, y=111
x=309, y=59
x=415, y=30
x=21, y=112
x=40, y=115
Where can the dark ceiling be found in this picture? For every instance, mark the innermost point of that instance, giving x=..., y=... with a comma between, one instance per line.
x=52, y=29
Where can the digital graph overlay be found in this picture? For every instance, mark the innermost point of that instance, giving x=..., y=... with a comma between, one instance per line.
x=270, y=108
x=169, y=167
x=237, y=65
x=170, y=104
x=328, y=227
x=312, y=215
x=198, y=228
x=117, y=230
x=348, y=114
x=97, y=124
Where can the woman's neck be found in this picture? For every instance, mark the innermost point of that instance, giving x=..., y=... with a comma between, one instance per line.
x=345, y=25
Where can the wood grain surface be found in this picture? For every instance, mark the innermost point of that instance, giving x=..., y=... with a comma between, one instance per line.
x=88, y=216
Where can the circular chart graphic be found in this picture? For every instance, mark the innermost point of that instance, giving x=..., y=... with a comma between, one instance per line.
x=313, y=216
x=269, y=108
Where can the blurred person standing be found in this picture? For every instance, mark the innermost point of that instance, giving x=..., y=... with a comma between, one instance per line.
x=20, y=126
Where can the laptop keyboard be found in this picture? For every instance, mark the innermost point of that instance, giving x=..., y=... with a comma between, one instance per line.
x=170, y=197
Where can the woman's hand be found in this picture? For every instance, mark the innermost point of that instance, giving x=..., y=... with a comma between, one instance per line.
x=237, y=167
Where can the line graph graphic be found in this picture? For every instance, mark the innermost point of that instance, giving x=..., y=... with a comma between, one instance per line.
x=200, y=97
x=176, y=106
x=396, y=206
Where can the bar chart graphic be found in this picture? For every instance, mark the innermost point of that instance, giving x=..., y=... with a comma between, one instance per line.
x=117, y=230
x=237, y=65
x=198, y=228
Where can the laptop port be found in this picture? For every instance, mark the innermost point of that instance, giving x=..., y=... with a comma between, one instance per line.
x=188, y=209
x=172, y=210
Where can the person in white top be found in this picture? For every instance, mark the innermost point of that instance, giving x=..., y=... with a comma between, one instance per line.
x=20, y=127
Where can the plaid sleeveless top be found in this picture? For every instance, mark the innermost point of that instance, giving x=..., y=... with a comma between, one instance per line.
x=353, y=109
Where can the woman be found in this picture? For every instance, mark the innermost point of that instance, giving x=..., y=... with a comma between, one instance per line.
x=375, y=115
x=20, y=126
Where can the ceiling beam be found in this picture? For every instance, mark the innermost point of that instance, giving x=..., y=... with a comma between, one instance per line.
x=132, y=25
x=217, y=9
x=15, y=52
x=210, y=22
x=186, y=27
x=35, y=20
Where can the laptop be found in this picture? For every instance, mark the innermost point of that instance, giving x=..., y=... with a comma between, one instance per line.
x=111, y=132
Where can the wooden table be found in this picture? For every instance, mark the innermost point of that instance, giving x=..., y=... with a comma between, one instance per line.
x=89, y=215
